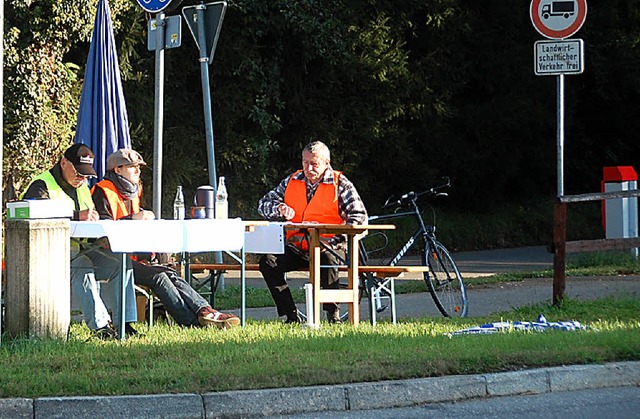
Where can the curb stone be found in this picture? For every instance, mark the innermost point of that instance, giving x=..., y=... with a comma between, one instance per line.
x=405, y=393
x=595, y=376
x=16, y=408
x=161, y=405
x=272, y=402
x=518, y=382
x=361, y=396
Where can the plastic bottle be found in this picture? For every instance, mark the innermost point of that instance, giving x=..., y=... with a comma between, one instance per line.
x=222, y=204
x=178, y=205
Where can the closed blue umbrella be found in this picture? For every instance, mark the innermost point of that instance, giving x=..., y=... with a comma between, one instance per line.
x=103, y=124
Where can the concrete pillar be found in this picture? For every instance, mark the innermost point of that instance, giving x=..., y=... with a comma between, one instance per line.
x=38, y=285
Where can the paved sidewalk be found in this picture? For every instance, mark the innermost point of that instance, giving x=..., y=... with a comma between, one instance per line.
x=360, y=396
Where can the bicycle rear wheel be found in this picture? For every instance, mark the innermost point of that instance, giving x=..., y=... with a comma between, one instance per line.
x=445, y=282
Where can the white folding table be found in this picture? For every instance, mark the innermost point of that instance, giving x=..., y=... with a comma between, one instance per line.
x=171, y=236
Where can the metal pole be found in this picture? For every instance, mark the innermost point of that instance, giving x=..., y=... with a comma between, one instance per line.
x=206, y=94
x=158, y=116
x=208, y=119
x=560, y=135
x=123, y=296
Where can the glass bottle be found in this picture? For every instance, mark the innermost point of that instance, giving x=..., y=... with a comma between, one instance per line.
x=178, y=205
x=222, y=204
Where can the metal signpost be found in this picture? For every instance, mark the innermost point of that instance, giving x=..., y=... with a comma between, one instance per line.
x=172, y=32
x=205, y=22
x=158, y=29
x=558, y=20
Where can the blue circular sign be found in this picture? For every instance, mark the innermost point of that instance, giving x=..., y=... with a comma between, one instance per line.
x=155, y=6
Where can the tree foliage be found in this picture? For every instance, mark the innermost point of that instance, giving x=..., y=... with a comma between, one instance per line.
x=403, y=92
x=42, y=84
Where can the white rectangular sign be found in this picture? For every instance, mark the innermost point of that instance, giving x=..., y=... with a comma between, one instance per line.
x=559, y=57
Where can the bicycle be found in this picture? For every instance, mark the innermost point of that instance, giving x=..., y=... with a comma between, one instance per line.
x=443, y=278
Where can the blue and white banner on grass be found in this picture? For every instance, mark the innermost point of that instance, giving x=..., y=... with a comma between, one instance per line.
x=540, y=325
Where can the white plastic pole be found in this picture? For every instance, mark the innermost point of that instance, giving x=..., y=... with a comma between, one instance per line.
x=308, y=291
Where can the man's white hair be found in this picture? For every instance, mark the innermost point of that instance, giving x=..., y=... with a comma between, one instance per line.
x=318, y=148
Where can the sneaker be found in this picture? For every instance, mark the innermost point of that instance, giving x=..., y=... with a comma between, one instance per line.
x=107, y=332
x=129, y=330
x=219, y=320
x=293, y=317
x=333, y=316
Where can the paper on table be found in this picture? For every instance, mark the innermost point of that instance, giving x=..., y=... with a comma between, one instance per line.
x=265, y=239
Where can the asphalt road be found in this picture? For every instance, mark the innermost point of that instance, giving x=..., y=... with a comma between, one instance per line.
x=484, y=300
x=617, y=402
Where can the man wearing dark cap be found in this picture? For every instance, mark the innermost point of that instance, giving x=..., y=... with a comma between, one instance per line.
x=67, y=180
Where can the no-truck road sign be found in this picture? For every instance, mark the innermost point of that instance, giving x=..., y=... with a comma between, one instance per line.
x=557, y=19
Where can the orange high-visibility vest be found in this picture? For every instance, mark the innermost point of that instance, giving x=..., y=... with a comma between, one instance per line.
x=118, y=204
x=323, y=207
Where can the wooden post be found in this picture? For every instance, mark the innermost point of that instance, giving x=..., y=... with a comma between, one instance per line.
x=38, y=287
x=559, y=251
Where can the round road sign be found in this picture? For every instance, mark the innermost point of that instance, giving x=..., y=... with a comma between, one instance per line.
x=558, y=19
x=155, y=6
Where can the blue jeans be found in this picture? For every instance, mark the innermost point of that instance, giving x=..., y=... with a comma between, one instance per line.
x=180, y=300
x=97, y=264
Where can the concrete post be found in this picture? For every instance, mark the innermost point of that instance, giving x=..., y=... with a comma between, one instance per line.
x=38, y=286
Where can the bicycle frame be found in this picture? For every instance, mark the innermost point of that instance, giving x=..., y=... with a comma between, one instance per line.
x=443, y=278
x=423, y=231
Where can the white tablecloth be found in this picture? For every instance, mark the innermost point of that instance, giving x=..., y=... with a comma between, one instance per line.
x=172, y=236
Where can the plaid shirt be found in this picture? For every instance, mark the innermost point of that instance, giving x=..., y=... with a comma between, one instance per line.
x=350, y=205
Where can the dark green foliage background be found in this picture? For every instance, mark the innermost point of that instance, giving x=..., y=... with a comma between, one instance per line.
x=404, y=92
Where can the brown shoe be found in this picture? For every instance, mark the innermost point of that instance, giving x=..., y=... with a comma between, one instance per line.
x=107, y=332
x=219, y=320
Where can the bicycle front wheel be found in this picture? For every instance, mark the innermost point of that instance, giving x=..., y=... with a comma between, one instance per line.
x=445, y=282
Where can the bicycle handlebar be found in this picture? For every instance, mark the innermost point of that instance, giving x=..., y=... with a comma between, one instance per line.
x=411, y=197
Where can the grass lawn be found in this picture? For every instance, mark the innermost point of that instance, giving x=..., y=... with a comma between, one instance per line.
x=171, y=359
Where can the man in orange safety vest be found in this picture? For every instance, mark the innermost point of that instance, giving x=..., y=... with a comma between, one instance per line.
x=317, y=193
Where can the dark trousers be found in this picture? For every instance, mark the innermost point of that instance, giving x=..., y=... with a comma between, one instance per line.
x=274, y=267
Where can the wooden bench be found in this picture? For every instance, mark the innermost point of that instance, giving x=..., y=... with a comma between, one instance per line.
x=199, y=267
x=380, y=271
